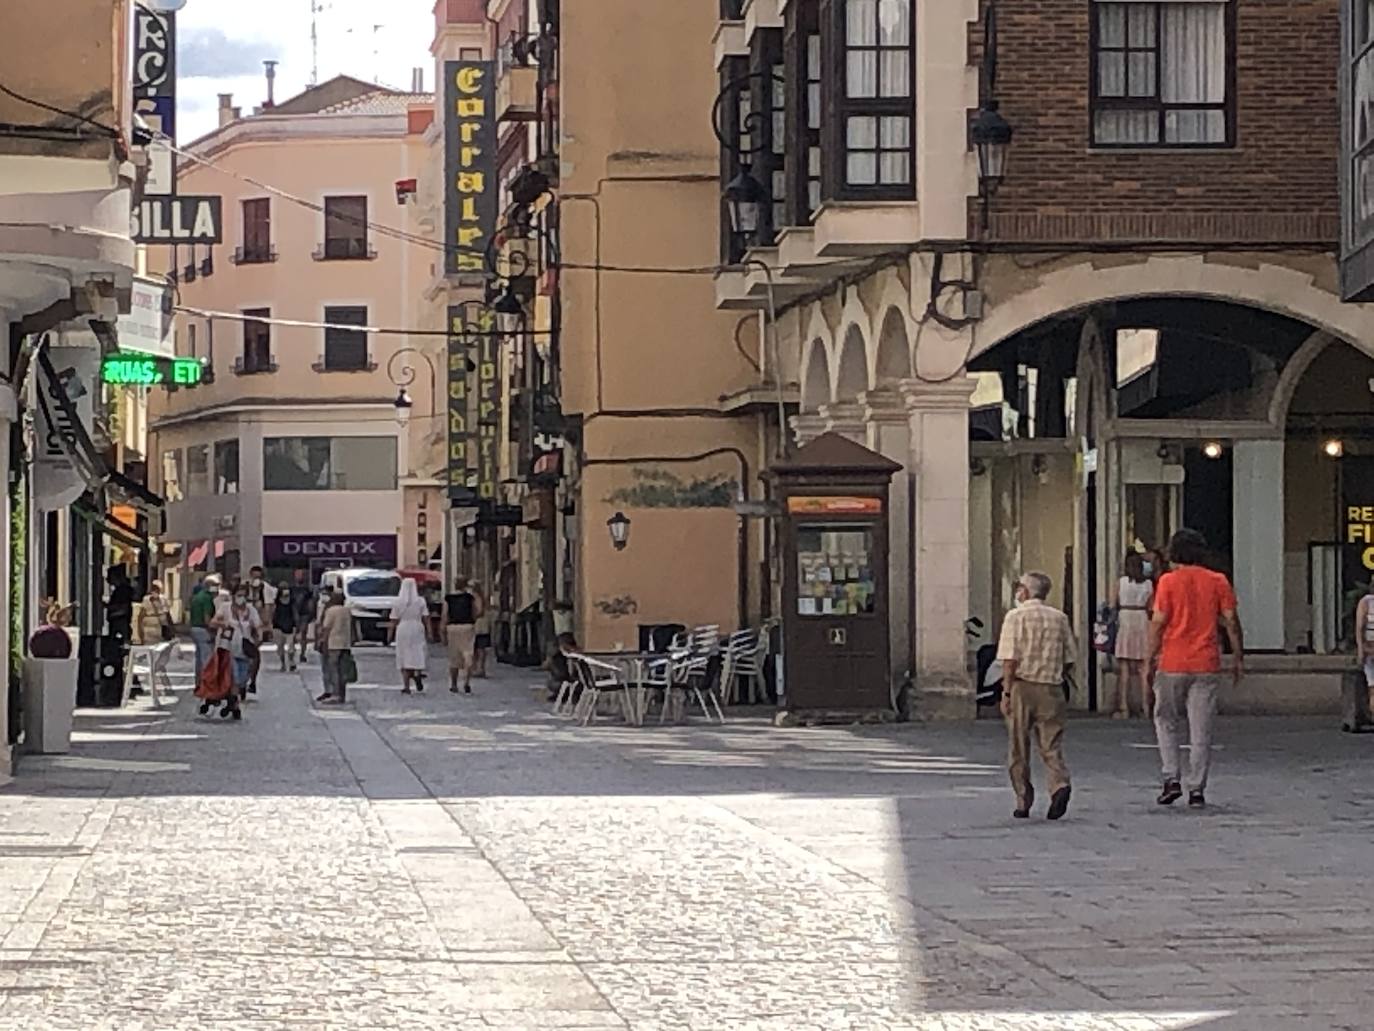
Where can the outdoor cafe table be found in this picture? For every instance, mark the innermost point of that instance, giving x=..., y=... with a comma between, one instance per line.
x=636, y=667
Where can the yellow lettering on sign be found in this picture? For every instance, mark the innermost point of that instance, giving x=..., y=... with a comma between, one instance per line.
x=456, y=363
x=457, y=422
x=472, y=182
x=474, y=108
x=469, y=263
x=467, y=131
x=458, y=391
x=1368, y=558
x=469, y=79
x=468, y=156
x=468, y=212
x=468, y=237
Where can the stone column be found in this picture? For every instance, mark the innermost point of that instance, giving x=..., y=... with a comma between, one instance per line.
x=1257, y=547
x=889, y=434
x=847, y=420
x=806, y=428
x=937, y=414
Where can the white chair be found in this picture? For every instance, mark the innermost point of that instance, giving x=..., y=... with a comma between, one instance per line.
x=150, y=660
x=749, y=665
x=739, y=644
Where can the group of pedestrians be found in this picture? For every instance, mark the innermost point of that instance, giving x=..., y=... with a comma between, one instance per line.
x=1178, y=618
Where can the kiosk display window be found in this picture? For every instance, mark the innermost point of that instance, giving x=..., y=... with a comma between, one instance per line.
x=835, y=570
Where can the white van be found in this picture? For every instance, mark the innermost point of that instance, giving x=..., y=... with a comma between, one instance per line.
x=369, y=595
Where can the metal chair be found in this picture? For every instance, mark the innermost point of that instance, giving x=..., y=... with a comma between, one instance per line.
x=598, y=678
x=739, y=644
x=153, y=659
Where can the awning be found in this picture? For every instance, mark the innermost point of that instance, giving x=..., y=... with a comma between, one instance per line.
x=113, y=528
x=134, y=493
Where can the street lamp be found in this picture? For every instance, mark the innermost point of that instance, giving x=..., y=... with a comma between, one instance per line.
x=990, y=135
x=744, y=198
x=619, y=525
x=402, y=374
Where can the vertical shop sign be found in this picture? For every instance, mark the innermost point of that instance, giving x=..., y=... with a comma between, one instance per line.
x=488, y=406
x=470, y=197
x=459, y=415
x=155, y=55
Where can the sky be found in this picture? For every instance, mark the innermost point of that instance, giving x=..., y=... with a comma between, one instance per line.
x=222, y=44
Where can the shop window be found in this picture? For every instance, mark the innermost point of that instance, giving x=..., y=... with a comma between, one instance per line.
x=345, y=350
x=198, y=470
x=226, y=467
x=1162, y=73
x=329, y=463
x=835, y=571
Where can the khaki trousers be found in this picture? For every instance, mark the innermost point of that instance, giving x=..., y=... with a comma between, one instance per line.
x=1038, y=709
x=1186, y=698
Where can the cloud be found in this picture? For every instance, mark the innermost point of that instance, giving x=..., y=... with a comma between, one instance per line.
x=207, y=53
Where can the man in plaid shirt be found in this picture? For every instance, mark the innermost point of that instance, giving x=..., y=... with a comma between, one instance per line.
x=1036, y=651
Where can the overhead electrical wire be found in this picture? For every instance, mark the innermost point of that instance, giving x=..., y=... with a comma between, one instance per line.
x=107, y=130
x=238, y=316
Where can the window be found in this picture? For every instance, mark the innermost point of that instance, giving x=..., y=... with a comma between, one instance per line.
x=257, y=232
x=198, y=470
x=1361, y=88
x=257, y=342
x=835, y=571
x=345, y=228
x=226, y=467
x=872, y=139
x=802, y=56
x=329, y=463
x=470, y=54
x=171, y=475
x=191, y=340
x=1161, y=74
x=345, y=350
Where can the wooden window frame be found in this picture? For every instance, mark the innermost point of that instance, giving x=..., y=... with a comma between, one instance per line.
x=839, y=108
x=257, y=327
x=353, y=245
x=802, y=23
x=1098, y=103
x=341, y=313
x=257, y=232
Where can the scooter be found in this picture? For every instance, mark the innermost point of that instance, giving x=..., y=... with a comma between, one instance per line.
x=988, y=675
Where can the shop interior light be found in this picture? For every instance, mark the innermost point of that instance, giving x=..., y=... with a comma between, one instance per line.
x=1334, y=448
x=1213, y=449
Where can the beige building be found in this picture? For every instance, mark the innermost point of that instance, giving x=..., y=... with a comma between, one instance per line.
x=293, y=453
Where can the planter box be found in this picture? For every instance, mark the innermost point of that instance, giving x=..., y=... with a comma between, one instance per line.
x=49, y=699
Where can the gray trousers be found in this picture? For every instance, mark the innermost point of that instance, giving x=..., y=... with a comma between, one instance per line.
x=1190, y=697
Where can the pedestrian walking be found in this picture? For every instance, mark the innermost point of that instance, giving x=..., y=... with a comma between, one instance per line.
x=481, y=645
x=263, y=597
x=1189, y=603
x=202, y=613
x=407, y=631
x=284, y=625
x=334, y=640
x=1036, y=651
x=304, y=610
x=1133, y=594
x=463, y=607
x=154, y=624
x=238, y=633
x=1364, y=638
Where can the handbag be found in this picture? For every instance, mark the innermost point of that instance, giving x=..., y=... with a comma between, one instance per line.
x=250, y=650
x=1104, y=630
x=348, y=668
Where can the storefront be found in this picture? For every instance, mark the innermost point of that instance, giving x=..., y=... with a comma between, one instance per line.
x=282, y=554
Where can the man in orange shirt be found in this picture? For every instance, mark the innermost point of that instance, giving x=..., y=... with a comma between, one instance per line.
x=1188, y=605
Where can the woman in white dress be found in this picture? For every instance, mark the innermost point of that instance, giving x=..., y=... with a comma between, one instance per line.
x=1134, y=593
x=408, y=617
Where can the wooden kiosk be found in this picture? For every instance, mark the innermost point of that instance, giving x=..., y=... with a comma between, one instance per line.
x=834, y=536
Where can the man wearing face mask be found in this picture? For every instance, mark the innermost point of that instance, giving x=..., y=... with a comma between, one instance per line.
x=262, y=596
x=1036, y=651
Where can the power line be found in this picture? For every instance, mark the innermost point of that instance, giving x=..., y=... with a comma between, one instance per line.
x=110, y=131
x=238, y=316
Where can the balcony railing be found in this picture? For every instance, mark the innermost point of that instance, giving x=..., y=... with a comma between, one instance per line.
x=325, y=365
x=245, y=365
x=257, y=254
x=345, y=249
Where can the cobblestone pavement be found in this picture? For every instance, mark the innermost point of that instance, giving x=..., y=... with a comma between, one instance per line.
x=442, y=861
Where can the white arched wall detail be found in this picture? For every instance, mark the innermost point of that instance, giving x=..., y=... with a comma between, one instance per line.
x=815, y=377
x=892, y=357
x=851, y=379
x=1266, y=286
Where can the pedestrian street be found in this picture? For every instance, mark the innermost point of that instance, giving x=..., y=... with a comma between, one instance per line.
x=446, y=861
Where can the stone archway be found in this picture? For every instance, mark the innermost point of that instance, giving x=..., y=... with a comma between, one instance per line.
x=852, y=378
x=893, y=360
x=815, y=378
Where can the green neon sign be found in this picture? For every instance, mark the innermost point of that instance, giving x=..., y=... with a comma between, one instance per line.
x=126, y=369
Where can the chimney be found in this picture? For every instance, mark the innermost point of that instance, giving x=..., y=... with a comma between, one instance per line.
x=417, y=80
x=226, y=108
x=271, y=70
x=235, y=114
